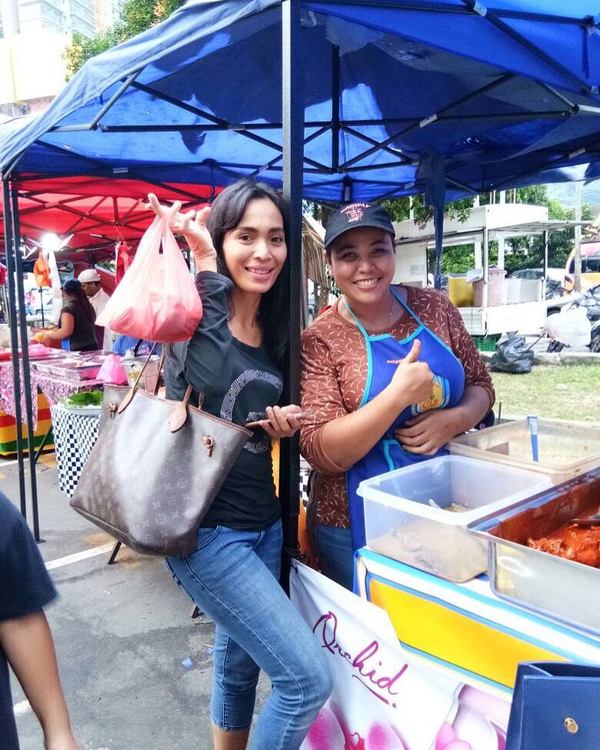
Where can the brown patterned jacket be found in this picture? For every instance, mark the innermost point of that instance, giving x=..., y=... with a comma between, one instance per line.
x=334, y=373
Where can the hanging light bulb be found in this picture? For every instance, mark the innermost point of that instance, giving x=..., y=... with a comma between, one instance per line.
x=50, y=242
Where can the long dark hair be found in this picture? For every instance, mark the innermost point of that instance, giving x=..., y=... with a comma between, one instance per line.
x=74, y=290
x=227, y=211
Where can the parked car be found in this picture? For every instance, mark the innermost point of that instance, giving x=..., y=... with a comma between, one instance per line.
x=553, y=274
x=554, y=279
x=590, y=266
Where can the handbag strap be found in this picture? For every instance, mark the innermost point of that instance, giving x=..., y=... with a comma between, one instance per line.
x=179, y=415
x=127, y=400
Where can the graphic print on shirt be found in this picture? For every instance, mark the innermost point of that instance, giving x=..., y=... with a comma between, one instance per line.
x=258, y=443
x=440, y=395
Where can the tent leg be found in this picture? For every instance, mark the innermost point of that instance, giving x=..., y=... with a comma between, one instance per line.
x=26, y=364
x=14, y=339
x=486, y=269
x=546, y=237
x=293, y=142
x=438, y=221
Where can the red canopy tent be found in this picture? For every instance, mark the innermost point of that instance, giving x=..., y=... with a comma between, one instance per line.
x=92, y=213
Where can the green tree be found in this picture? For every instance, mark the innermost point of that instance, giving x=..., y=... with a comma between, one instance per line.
x=136, y=16
x=400, y=209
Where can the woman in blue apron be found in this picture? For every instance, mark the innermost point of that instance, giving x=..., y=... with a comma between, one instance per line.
x=385, y=387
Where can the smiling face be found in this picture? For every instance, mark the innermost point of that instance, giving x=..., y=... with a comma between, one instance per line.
x=363, y=262
x=255, y=250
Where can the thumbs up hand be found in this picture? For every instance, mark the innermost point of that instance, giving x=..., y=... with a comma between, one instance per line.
x=413, y=380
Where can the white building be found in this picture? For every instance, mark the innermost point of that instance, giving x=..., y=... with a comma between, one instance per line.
x=33, y=37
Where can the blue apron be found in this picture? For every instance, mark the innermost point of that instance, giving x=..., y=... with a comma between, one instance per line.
x=383, y=355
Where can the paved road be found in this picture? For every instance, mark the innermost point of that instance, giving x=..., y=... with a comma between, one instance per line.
x=121, y=633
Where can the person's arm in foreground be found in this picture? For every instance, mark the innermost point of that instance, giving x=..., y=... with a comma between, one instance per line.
x=27, y=643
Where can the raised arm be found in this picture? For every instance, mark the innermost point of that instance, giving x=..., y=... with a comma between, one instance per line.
x=192, y=226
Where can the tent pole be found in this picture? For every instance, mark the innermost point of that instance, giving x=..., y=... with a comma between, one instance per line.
x=546, y=236
x=14, y=340
x=335, y=107
x=25, y=359
x=486, y=269
x=438, y=223
x=292, y=141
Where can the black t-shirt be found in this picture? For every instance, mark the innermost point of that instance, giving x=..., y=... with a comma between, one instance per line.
x=83, y=338
x=238, y=382
x=25, y=587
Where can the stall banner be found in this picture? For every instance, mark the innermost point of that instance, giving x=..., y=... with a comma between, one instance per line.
x=383, y=698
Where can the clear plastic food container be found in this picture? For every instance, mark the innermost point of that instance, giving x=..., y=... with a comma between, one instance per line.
x=565, y=449
x=419, y=514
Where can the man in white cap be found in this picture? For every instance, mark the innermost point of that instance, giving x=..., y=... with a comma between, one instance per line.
x=90, y=281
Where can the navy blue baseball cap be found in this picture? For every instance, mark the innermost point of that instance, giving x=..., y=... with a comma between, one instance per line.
x=356, y=215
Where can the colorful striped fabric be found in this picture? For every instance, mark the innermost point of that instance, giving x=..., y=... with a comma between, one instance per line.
x=8, y=429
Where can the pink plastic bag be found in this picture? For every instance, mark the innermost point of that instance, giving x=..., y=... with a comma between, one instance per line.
x=112, y=371
x=157, y=299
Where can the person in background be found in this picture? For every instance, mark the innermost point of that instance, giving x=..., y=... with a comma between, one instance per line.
x=123, y=344
x=76, y=329
x=25, y=638
x=389, y=375
x=234, y=359
x=90, y=281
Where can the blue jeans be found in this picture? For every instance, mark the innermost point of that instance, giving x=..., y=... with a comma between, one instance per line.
x=233, y=577
x=336, y=558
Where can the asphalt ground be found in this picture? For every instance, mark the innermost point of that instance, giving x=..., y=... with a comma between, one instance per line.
x=136, y=668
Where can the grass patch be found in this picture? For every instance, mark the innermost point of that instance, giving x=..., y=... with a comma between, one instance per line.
x=561, y=391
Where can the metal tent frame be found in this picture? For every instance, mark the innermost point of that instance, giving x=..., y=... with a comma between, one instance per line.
x=375, y=167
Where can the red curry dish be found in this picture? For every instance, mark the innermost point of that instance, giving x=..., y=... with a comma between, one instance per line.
x=572, y=542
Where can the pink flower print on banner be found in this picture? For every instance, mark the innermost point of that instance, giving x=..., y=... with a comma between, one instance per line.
x=381, y=737
x=330, y=732
x=326, y=732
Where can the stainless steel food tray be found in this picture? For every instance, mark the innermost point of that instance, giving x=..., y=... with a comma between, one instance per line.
x=69, y=369
x=553, y=586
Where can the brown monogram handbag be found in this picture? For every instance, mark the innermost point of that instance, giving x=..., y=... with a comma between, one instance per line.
x=155, y=469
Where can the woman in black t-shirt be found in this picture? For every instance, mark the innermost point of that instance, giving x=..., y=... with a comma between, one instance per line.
x=77, y=320
x=234, y=360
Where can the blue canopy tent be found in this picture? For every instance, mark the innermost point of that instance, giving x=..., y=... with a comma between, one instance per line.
x=336, y=101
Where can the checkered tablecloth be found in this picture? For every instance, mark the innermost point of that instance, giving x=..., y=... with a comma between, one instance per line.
x=74, y=438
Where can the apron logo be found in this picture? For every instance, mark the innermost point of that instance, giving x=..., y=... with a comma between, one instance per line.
x=440, y=395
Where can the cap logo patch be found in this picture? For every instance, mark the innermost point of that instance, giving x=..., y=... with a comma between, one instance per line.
x=354, y=211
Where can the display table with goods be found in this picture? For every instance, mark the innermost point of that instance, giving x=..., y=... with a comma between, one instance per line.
x=484, y=564
x=41, y=411
x=56, y=376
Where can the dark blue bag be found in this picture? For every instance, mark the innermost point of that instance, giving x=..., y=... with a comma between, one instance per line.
x=556, y=706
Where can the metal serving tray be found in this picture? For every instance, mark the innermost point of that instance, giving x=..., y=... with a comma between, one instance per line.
x=553, y=586
x=72, y=367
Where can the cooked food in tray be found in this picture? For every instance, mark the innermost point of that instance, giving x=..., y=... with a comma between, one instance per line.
x=573, y=542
